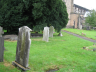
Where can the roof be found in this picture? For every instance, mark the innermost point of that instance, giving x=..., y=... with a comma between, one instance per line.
x=81, y=7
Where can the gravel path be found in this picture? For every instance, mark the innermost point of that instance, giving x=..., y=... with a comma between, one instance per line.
x=88, y=39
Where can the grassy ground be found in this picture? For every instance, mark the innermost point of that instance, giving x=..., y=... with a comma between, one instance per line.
x=65, y=53
x=88, y=33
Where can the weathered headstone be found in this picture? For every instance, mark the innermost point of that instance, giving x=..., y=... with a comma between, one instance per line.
x=1, y=48
x=81, y=27
x=1, y=31
x=23, y=47
x=89, y=27
x=46, y=34
x=51, y=30
x=1, y=44
x=60, y=34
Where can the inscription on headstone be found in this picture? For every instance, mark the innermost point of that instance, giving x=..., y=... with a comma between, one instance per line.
x=1, y=44
x=51, y=30
x=46, y=34
x=23, y=46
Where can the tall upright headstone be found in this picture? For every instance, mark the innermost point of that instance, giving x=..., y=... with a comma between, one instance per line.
x=51, y=30
x=46, y=34
x=1, y=44
x=23, y=47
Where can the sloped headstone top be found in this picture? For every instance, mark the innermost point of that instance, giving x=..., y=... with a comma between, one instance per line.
x=23, y=46
x=46, y=34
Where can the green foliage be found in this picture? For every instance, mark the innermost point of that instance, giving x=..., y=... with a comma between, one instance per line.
x=33, y=13
x=91, y=18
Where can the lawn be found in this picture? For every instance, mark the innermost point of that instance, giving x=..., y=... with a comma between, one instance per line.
x=65, y=53
x=88, y=33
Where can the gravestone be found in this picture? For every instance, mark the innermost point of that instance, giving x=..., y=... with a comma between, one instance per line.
x=23, y=47
x=60, y=34
x=46, y=34
x=94, y=28
x=51, y=30
x=88, y=27
x=81, y=27
x=1, y=31
x=1, y=44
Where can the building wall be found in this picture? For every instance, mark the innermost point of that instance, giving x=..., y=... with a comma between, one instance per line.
x=74, y=20
x=79, y=9
x=75, y=13
x=69, y=5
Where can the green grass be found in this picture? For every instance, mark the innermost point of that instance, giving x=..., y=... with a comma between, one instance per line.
x=89, y=33
x=65, y=53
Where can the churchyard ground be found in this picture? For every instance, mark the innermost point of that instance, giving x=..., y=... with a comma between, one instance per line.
x=65, y=53
x=87, y=33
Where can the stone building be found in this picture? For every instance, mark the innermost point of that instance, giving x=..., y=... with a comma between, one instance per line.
x=75, y=14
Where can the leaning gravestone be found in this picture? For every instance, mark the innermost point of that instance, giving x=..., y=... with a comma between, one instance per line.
x=46, y=34
x=1, y=44
x=23, y=47
x=51, y=30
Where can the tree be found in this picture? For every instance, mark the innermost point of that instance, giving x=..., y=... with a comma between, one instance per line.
x=33, y=13
x=91, y=18
x=11, y=16
x=54, y=13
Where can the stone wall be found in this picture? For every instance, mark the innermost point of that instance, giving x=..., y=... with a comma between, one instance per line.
x=74, y=11
x=74, y=20
x=69, y=5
